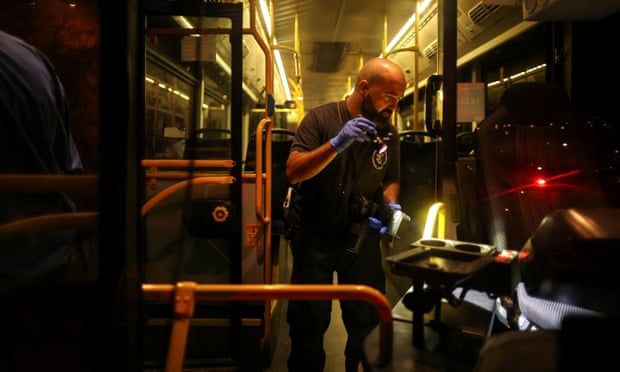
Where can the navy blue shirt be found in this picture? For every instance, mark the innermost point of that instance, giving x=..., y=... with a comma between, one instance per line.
x=35, y=138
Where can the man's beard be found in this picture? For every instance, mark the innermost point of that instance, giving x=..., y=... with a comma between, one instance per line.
x=370, y=113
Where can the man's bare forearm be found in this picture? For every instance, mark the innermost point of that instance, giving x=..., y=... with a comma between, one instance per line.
x=301, y=166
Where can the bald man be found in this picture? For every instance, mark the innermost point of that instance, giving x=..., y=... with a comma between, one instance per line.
x=344, y=162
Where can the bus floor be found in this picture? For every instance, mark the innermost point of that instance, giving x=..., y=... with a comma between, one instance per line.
x=336, y=335
x=335, y=338
x=452, y=343
x=334, y=345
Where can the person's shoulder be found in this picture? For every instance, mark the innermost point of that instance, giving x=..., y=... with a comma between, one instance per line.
x=8, y=43
x=324, y=107
x=6, y=37
x=14, y=49
x=9, y=40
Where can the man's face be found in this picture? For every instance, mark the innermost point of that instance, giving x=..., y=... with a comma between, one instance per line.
x=379, y=104
x=370, y=112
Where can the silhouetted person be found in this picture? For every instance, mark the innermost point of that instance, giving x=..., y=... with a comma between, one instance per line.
x=46, y=324
x=35, y=138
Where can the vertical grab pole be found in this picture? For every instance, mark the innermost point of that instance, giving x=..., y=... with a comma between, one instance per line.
x=259, y=195
x=184, y=303
x=268, y=120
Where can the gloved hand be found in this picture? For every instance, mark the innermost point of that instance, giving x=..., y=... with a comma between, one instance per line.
x=376, y=223
x=356, y=129
x=395, y=206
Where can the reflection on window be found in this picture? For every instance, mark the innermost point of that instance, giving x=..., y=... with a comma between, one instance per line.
x=167, y=114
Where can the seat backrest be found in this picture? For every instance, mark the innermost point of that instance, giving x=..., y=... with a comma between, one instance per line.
x=208, y=144
x=534, y=156
x=572, y=258
x=418, y=181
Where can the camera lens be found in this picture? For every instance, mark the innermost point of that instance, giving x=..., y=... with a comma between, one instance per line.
x=359, y=233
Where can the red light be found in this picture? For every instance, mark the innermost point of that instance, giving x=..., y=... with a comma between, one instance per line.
x=541, y=182
x=524, y=255
x=506, y=255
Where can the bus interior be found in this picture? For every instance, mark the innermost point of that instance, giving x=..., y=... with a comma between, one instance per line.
x=184, y=112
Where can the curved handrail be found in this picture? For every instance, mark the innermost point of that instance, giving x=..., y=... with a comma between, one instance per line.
x=173, y=188
x=405, y=134
x=43, y=183
x=71, y=183
x=185, y=294
x=82, y=221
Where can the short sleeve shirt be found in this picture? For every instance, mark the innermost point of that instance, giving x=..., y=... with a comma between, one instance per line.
x=323, y=201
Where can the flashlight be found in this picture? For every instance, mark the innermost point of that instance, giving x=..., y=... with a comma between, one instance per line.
x=381, y=145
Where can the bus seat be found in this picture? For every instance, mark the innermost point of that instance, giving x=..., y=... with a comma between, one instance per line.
x=281, y=141
x=418, y=183
x=208, y=143
x=568, y=289
x=418, y=186
x=533, y=157
x=536, y=162
x=568, y=265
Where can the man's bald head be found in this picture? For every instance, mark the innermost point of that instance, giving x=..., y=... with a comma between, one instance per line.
x=379, y=69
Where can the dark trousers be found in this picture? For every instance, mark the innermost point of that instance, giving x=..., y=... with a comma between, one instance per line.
x=315, y=259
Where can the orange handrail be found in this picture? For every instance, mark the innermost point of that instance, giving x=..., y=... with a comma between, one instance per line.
x=35, y=183
x=187, y=163
x=82, y=221
x=179, y=185
x=185, y=294
x=262, y=198
x=42, y=183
